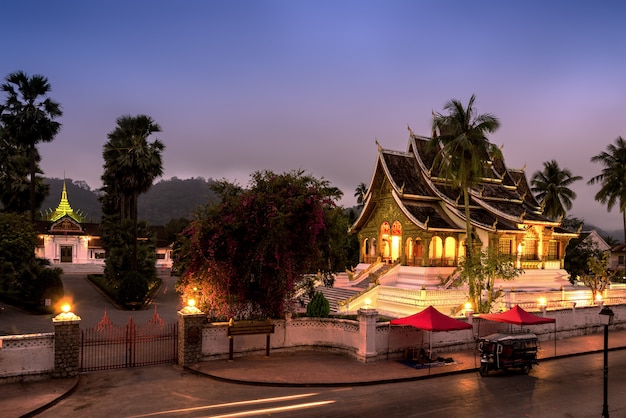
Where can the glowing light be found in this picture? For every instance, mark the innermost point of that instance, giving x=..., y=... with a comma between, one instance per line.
x=542, y=302
x=598, y=297
x=368, y=302
x=468, y=306
x=191, y=302
x=66, y=308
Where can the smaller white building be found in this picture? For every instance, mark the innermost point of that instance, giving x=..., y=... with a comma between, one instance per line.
x=65, y=238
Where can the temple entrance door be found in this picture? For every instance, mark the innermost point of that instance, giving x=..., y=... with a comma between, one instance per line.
x=66, y=253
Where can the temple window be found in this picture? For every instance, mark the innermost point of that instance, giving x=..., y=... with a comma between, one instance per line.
x=505, y=246
x=553, y=250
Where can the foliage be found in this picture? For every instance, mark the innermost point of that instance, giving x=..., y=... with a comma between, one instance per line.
x=119, y=261
x=131, y=163
x=27, y=118
x=480, y=273
x=612, y=179
x=551, y=188
x=245, y=256
x=577, y=253
x=318, y=307
x=359, y=193
x=20, y=271
x=463, y=149
x=17, y=244
x=599, y=276
x=40, y=281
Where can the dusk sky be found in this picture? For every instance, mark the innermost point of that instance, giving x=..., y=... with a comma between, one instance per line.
x=240, y=86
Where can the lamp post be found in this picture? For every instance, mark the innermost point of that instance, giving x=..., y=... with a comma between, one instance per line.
x=606, y=318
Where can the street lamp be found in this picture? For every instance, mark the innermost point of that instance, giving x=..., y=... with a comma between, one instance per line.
x=606, y=318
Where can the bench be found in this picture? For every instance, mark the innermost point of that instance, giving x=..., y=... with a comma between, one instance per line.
x=253, y=327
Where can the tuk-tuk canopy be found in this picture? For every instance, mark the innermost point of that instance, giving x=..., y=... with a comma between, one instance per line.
x=501, y=337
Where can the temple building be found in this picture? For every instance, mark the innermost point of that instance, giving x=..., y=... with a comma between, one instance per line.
x=65, y=238
x=415, y=219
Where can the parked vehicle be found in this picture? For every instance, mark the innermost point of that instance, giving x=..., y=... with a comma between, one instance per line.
x=500, y=352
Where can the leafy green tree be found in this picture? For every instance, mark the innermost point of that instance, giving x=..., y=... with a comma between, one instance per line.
x=318, y=307
x=551, y=188
x=577, y=254
x=21, y=273
x=480, y=273
x=131, y=163
x=599, y=276
x=463, y=149
x=612, y=179
x=245, y=256
x=28, y=117
x=17, y=245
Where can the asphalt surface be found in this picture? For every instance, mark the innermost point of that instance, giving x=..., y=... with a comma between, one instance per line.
x=286, y=369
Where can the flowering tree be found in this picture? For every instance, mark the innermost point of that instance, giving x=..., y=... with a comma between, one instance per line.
x=245, y=256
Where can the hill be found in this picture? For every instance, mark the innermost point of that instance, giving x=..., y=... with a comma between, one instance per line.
x=166, y=200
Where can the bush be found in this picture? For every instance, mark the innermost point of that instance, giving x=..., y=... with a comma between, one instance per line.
x=318, y=307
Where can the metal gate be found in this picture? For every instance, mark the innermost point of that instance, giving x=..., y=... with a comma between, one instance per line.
x=109, y=346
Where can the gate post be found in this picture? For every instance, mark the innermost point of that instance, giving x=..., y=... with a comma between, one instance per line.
x=366, y=352
x=190, y=323
x=66, y=344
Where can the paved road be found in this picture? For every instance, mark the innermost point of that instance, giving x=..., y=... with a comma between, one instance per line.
x=90, y=305
x=569, y=387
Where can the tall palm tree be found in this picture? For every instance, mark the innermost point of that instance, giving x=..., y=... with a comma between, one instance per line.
x=551, y=188
x=460, y=139
x=131, y=164
x=359, y=193
x=613, y=177
x=28, y=118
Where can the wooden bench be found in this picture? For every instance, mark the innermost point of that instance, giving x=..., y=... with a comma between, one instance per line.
x=253, y=327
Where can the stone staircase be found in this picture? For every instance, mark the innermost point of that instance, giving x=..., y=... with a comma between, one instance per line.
x=76, y=268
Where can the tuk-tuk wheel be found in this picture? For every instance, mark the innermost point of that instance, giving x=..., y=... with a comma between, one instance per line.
x=484, y=370
x=526, y=368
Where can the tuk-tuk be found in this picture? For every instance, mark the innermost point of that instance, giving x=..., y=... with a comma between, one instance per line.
x=500, y=352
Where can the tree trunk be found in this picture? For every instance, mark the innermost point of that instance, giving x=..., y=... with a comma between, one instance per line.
x=134, y=202
x=31, y=156
x=624, y=223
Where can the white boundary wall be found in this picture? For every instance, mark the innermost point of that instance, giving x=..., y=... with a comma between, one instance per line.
x=390, y=342
x=26, y=356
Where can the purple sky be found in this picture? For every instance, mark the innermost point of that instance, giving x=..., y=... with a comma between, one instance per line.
x=239, y=86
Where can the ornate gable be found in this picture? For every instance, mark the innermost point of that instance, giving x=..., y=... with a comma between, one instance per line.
x=66, y=225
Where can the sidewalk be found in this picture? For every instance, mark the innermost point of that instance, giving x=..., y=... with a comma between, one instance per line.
x=302, y=368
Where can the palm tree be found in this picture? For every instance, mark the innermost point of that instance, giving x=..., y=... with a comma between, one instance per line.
x=28, y=118
x=551, y=187
x=460, y=139
x=131, y=164
x=613, y=177
x=359, y=193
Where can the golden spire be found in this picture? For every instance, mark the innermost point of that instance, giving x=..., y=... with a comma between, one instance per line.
x=64, y=208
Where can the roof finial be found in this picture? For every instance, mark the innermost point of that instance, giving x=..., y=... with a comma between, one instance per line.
x=379, y=147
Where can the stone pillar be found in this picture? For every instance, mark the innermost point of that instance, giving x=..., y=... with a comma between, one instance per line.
x=190, y=323
x=367, y=335
x=66, y=345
